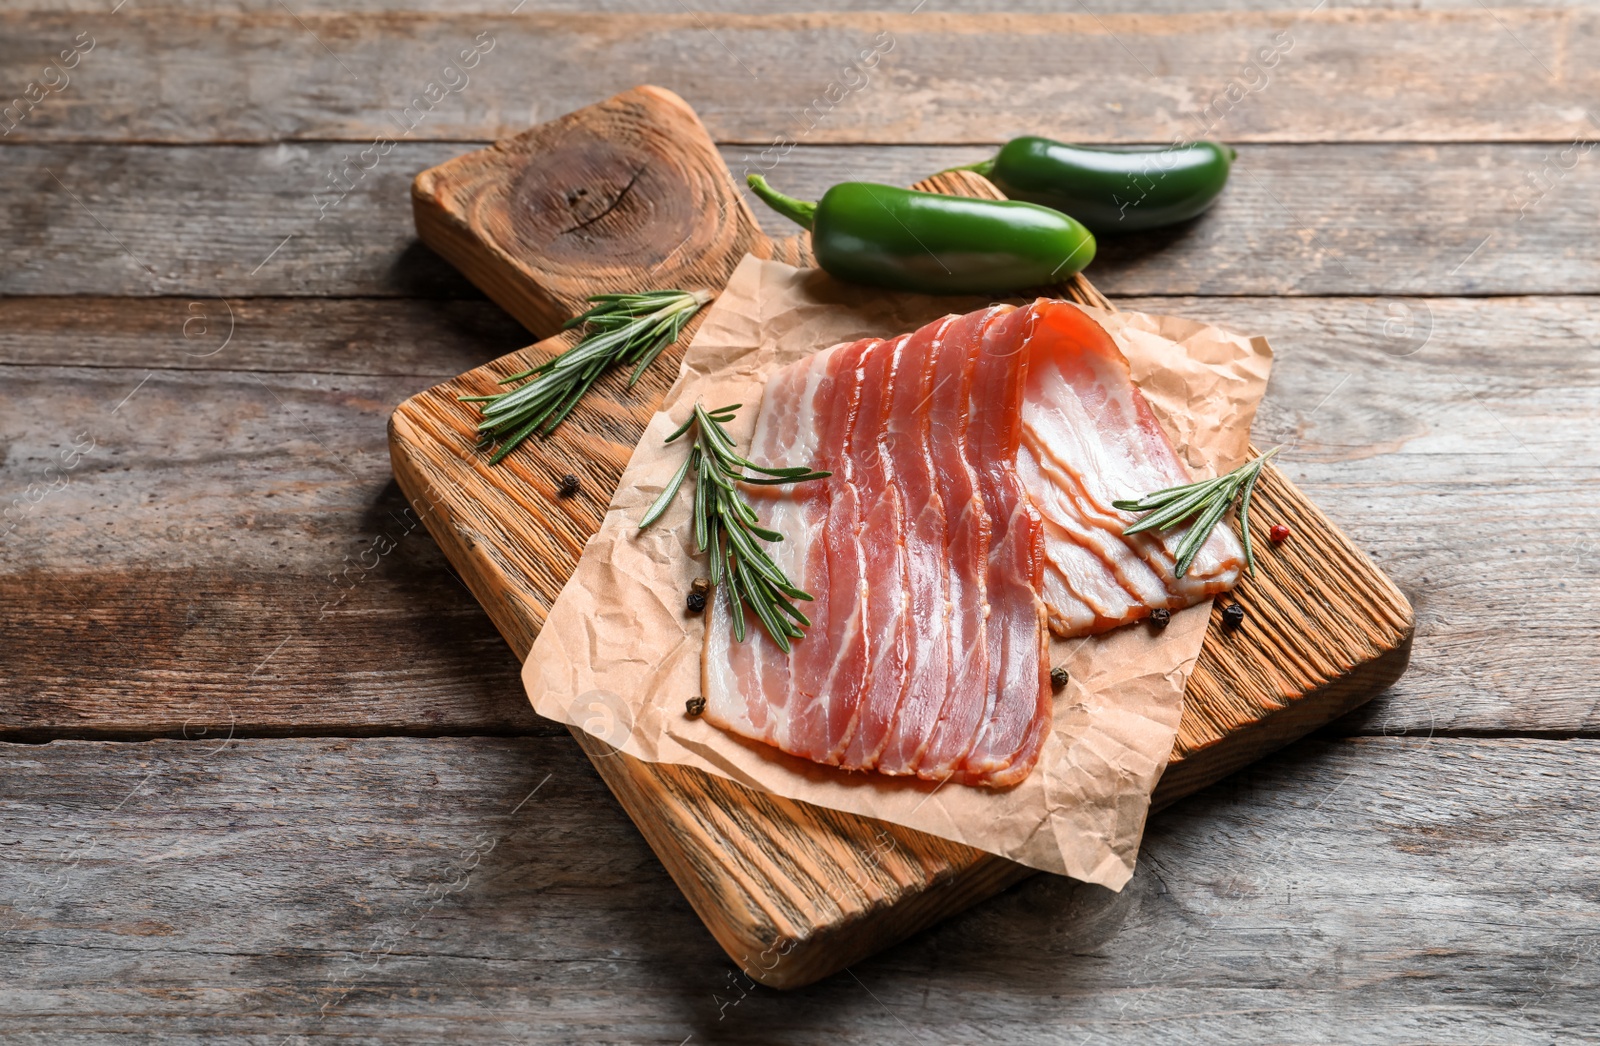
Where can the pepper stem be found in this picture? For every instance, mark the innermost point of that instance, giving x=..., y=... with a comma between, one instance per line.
x=983, y=167
x=803, y=213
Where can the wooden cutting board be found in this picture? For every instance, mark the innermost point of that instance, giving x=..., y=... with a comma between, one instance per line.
x=631, y=194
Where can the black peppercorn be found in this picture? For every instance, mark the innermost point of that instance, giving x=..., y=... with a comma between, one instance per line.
x=1058, y=678
x=1232, y=616
x=1161, y=617
x=568, y=487
x=696, y=602
x=694, y=706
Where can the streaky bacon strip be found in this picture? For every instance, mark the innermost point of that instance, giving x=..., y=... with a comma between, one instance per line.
x=1096, y=440
x=830, y=676
x=1018, y=693
x=967, y=529
x=969, y=513
x=927, y=560
x=1083, y=592
x=806, y=405
x=785, y=434
x=880, y=536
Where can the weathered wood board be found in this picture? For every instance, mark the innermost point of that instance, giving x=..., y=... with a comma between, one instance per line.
x=1333, y=72
x=630, y=194
x=1284, y=227
x=279, y=892
x=224, y=536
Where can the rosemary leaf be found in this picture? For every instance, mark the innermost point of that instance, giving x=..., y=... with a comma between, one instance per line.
x=667, y=495
x=727, y=528
x=1199, y=531
x=1162, y=497
x=623, y=329
x=1206, y=502
x=1244, y=517
x=1175, y=512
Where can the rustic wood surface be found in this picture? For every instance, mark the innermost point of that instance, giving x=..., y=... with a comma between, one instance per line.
x=1427, y=888
x=1335, y=74
x=405, y=890
x=769, y=7
x=1375, y=219
x=1326, y=631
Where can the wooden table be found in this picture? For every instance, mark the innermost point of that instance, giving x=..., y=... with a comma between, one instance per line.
x=292, y=788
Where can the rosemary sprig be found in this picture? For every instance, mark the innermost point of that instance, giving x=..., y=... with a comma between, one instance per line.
x=1205, y=501
x=623, y=328
x=726, y=526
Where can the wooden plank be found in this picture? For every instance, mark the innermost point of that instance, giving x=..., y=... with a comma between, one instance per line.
x=1408, y=455
x=216, y=221
x=209, y=654
x=394, y=890
x=1326, y=630
x=420, y=340
x=778, y=7
x=1313, y=219
x=254, y=571
x=1342, y=75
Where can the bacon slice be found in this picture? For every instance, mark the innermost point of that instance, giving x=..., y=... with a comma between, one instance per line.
x=969, y=513
x=1018, y=692
x=928, y=587
x=967, y=531
x=880, y=537
x=1091, y=438
x=749, y=685
x=834, y=676
x=804, y=407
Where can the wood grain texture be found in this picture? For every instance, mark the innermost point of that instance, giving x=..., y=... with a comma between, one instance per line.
x=1375, y=892
x=779, y=7
x=250, y=570
x=1449, y=436
x=213, y=221
x=760, y=869
x=625, y=194
x=1433, y=462
x=1324, y=630
x=418, y=339
x=270, y=74
x=445, y=890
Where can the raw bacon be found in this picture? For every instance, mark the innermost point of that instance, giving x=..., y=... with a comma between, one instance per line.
x=1089, y=438
x=969, y=512
x=906, y=446
x=881, y=539
x=947, y=738
x=1017, y=707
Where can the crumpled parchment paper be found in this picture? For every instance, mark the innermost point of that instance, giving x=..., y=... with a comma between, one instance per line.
x=619, y=656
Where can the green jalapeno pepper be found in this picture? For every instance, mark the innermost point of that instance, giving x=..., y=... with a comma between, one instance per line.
x=1112, y=190
x=919, y=241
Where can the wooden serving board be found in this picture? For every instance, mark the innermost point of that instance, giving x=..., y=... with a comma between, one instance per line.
x=631, y=194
